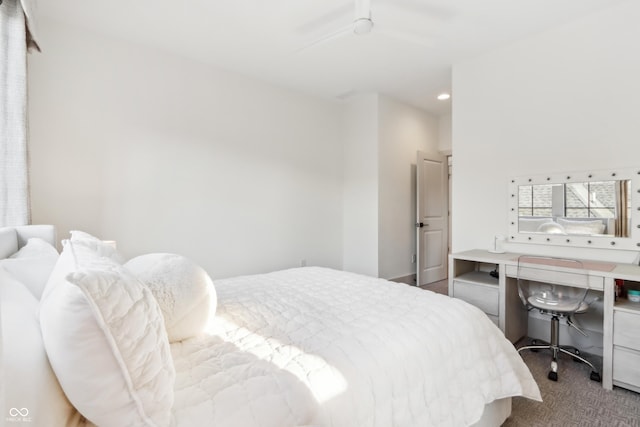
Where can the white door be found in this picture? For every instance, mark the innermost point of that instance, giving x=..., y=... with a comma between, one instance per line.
x=432, y=214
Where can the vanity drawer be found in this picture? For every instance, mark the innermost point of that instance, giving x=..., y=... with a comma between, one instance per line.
x=626, y=329
x=551, y=275
x=625, y=366
x=485, y=297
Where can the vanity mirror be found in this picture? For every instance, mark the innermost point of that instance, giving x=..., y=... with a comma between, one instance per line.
x=590, y=209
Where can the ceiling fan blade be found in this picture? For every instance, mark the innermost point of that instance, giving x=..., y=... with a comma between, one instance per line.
x=343, y=32
x=325, y=19
x=403, y=36
x=424, y=8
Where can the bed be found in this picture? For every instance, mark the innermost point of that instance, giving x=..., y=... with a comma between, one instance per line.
x=302, y=347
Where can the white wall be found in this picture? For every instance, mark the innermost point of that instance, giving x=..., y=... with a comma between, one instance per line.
x=444, y=134
x=565, y=100
x=360, y=240
x=164, y=154
x=383, y=138
x=403, y=131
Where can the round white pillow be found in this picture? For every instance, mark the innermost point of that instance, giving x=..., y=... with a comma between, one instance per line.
x=182, y=288
x=551, y=228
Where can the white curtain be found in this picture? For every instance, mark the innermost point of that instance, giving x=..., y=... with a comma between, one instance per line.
x=15, y=38
x=16, y=35
x=622, y=208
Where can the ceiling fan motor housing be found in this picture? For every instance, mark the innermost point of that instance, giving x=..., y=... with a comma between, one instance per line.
x=362, y=26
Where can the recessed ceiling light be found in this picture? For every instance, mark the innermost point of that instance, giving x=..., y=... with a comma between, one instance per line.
x=444, y=96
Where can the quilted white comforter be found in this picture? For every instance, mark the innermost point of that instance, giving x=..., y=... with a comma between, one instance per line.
x=314, y=346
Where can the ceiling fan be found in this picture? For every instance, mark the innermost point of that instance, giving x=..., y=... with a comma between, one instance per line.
x=362, y=25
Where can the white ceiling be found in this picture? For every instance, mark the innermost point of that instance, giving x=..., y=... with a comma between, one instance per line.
x=262, y=38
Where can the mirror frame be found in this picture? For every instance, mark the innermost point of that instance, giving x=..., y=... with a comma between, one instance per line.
x=600, y=242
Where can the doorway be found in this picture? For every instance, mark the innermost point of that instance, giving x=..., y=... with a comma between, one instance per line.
x=433, y=219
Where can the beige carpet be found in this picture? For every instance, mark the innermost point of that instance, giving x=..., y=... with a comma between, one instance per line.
x=574, y=400
x=441, y=287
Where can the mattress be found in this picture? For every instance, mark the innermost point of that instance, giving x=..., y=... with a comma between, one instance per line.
x=314, y=346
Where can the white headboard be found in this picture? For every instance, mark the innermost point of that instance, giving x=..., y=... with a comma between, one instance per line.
x=13, y=238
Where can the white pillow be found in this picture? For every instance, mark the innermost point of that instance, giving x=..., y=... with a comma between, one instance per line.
x=105, y=337
x=63, y=266
x=67, y=260
x=32, y=264
x=183, y=290
x=105, y=248
x=527, y=225
x=582, y=227
x=28, y=379
x=551, y=228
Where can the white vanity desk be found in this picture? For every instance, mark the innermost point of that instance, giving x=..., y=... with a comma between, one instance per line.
x=498, y=298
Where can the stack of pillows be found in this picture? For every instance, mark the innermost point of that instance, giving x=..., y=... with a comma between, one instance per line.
x=106, y=328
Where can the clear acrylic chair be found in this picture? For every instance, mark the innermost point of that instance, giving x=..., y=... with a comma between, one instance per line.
x=544, y=290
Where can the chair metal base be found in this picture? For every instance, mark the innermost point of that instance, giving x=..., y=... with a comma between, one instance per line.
x=556, y=349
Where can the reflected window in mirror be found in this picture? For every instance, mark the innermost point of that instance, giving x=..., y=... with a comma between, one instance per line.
x=590, y=209
x=587, y=208
x=535, y=200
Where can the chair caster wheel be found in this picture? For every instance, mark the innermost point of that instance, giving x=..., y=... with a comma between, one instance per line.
x=534, y=342
x=553, y=376
x=595, y=377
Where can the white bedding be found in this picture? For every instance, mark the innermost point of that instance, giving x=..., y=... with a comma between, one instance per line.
x=314, y=346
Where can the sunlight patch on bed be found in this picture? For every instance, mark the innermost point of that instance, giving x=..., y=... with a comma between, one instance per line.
x=323, y=380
